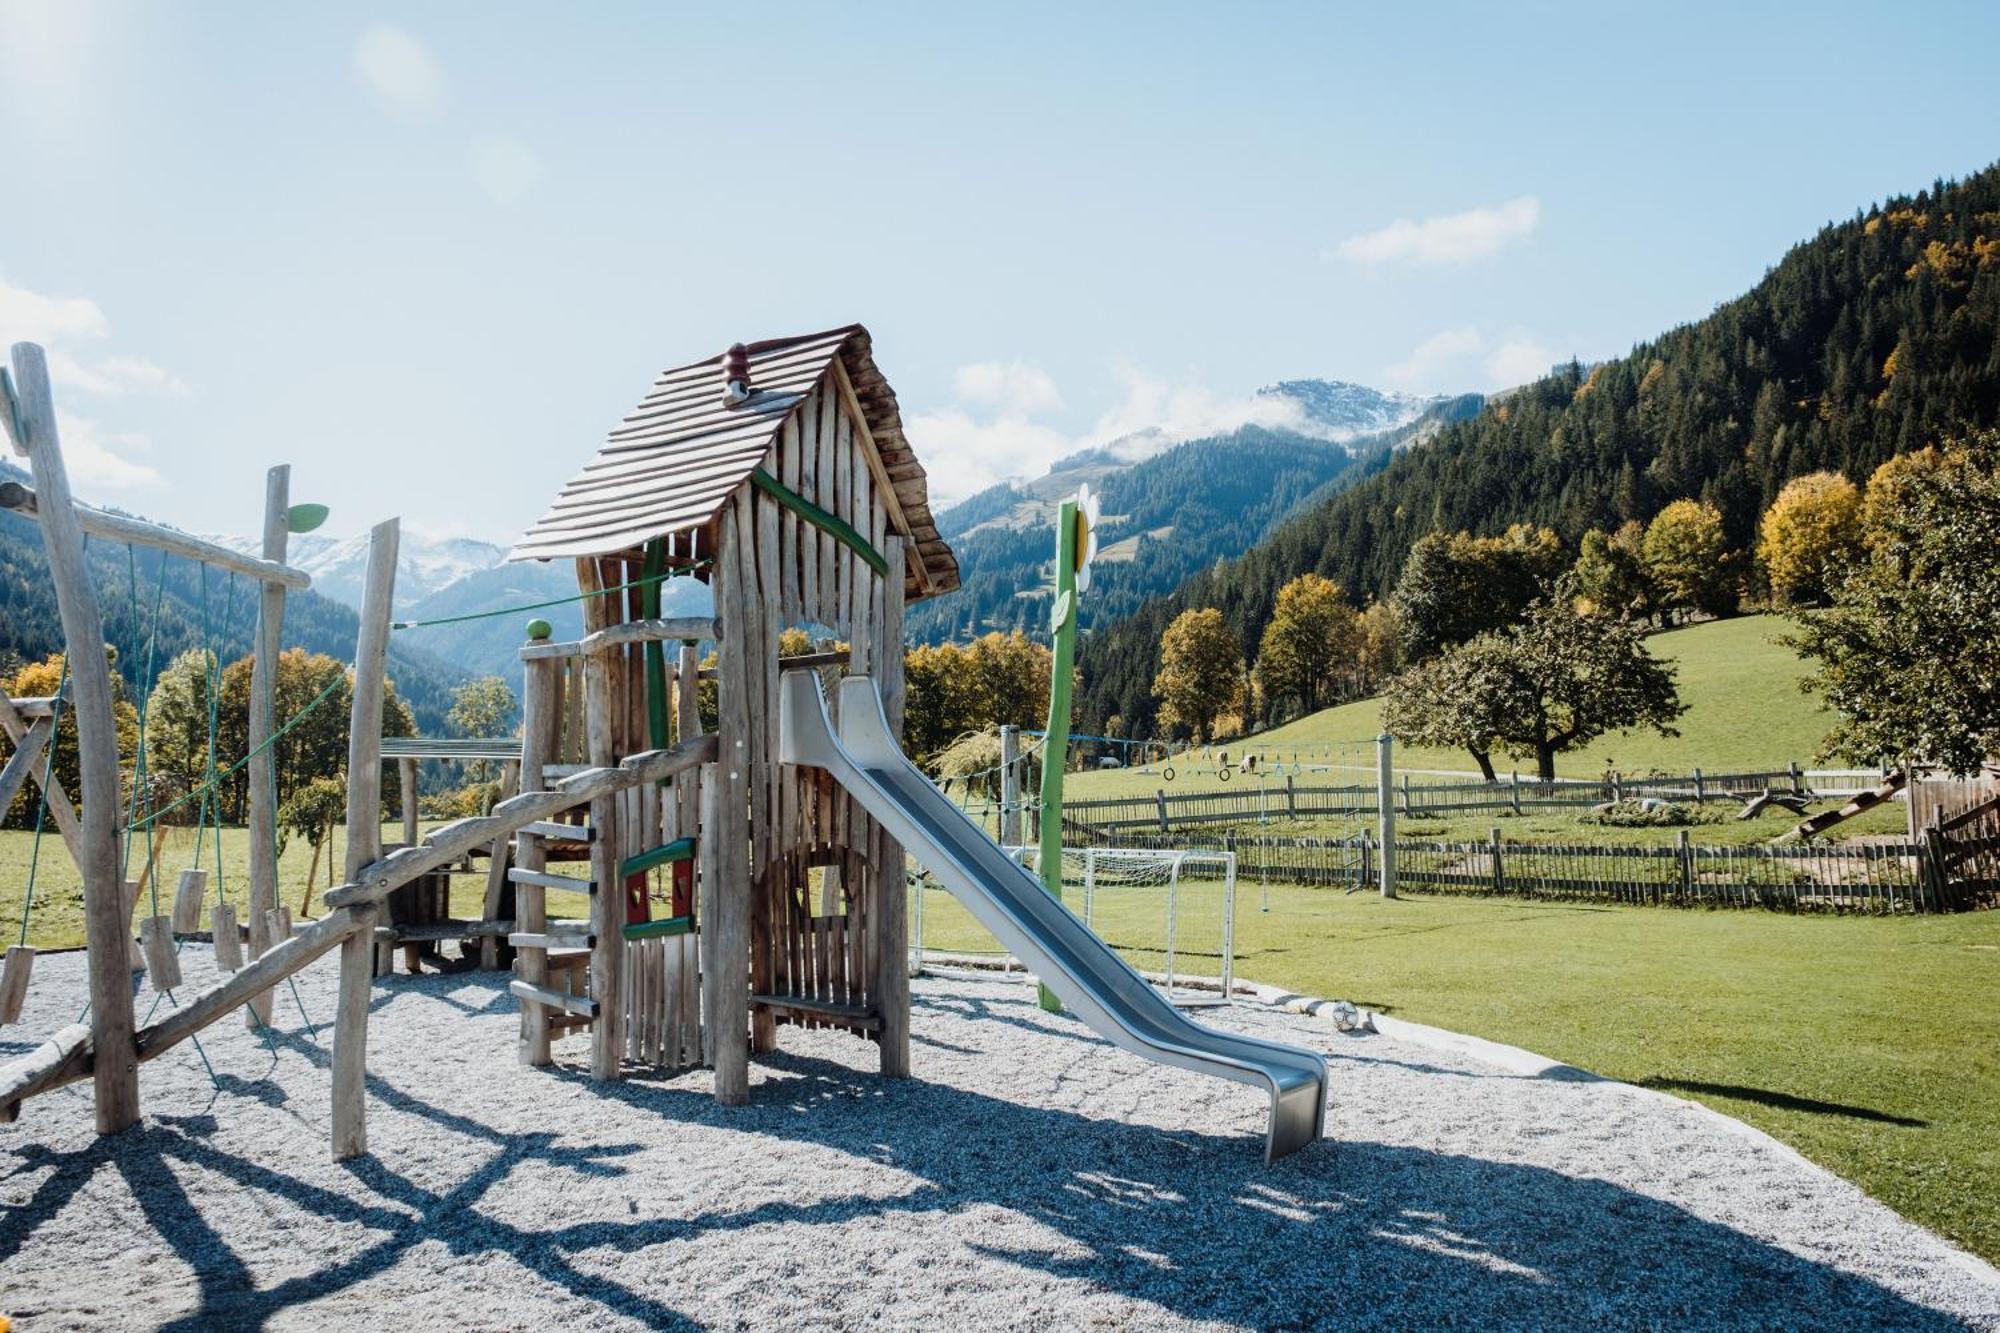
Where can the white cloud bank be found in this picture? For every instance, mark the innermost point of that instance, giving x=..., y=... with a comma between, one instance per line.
x=1453, y=238
x=398, y=72
x=994, y=431
x=1455, y=359
x=98, y=458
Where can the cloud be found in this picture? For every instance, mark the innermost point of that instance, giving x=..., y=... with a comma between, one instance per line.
x=116, y=376
x=1453, y=238
x=92, y=455
x=1464, y=358
x=27, y=316
x=1012, y=386
x=506, y=169
x=398, y=72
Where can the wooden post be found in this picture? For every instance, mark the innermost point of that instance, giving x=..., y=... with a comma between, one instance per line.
x=406, y=774
x=115, y=1069
x=1159, y=800
x=1516, y=791
x=1291, y=795
x=1686, y=851
x=1798, y=779
x=364, y=722
x=541, y=722
x=892, y=956
x=1499, y=874
x=726, y=932
x=1010, y=785
x=1700, y=792
x=350, y=1038
x=1385, y=813
x=263, y=764
x=607, y=899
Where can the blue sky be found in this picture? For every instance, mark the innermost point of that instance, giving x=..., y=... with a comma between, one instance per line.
x=429, y=253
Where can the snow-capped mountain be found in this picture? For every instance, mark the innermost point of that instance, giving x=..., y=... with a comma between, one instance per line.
x=425, y=565
x=1339, y=411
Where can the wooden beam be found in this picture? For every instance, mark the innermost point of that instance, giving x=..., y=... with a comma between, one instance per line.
x=891, y=988
x=60, y=808
x=635, y=631
x=364, y=723
x=116, y=1069
x=118, y=528
x=26, y=755
x=350, y=1036
x=541, y=725
x=873, y=453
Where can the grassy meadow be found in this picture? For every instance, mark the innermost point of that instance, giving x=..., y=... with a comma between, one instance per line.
x=1741, y=688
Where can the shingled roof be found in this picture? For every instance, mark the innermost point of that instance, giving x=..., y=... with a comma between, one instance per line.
x=670, y=464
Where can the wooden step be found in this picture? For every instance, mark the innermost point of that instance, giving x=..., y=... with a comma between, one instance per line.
x=562, y=883
x=798, y=1006
x=543, y=828
x=561, y=771
x=556, y=937
x=581, y=1006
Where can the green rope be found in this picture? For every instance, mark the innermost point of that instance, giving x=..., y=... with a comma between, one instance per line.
x=703, y=563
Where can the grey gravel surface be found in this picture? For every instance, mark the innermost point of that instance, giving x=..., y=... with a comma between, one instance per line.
x=1031, y=1176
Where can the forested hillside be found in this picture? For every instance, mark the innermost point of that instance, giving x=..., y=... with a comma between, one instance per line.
x=1166, y=518
x=182, y=613
x=1880, y=334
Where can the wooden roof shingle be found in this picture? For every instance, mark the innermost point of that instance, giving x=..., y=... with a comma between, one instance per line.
x=676, y=457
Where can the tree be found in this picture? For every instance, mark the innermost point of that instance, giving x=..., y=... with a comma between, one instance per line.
x=1201, y=671
x=1456, y=700
x=39, y=680
x=1610, y=572
x=1687, y=562
x=1909, y=653
x=1312, y=632
x=1886, y=498
x=1378, y=646
x=1455, y=585
x=177, y=717
x=1809, y=536
x=480, y=708
x=310, y=813
x=953, y=690
x=1557, y=680
x=316, y=743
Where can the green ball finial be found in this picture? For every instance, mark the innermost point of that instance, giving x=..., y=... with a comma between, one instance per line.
x=540, y=629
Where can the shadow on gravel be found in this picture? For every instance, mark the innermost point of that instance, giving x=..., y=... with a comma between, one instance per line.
x=1342, y=1233
x=1783, y=1101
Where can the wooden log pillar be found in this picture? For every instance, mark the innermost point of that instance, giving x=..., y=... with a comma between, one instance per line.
x=115, y=1068
x=364, y=725
x=725, y=932
x=406, y=774
x=350, y=1037
x=892, y=943
x=263, y=764
x=607, y=898
x=541, y=727
x=1010, y=785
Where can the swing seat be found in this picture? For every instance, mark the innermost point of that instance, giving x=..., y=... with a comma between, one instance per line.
x=14, y=982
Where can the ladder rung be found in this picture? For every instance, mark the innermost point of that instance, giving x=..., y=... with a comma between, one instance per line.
x=564, y=883
x=563, y=770
x=561, y=832
x=555, y=938
x=580, y=1005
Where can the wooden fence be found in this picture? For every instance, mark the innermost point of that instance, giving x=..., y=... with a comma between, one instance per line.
x=1868, y=877
x=1249, y=799
x=1964, y=855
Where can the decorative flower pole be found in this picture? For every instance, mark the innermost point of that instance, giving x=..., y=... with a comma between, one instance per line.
x=1076, y=547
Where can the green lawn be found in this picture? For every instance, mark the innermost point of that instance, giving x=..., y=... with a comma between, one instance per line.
x=1871, y=1045
x=1745, y=712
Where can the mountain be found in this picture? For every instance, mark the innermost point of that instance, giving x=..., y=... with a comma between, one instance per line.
x=1879, y=335
x=339, y=565
x=220, y=611
x=1167, y=515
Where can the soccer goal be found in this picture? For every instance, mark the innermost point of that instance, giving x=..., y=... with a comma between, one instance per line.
x=1171, y=913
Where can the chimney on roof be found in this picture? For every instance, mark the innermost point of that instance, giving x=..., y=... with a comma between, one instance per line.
x=736, y=375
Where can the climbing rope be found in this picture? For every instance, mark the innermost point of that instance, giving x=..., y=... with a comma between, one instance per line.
x=648, y=581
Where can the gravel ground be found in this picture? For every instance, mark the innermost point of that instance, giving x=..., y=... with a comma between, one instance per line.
x=1031, y=1176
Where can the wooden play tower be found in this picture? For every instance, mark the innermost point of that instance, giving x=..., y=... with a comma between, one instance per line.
x=742, y=894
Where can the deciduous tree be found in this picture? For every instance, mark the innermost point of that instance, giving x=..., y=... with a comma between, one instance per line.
x=1809, y=537
x=1313, y=633
x=1201, y=671
x=1456, y=585
x=1687, y=559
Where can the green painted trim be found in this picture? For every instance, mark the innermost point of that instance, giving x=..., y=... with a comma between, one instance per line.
x=656, y=652
x=841, y=530
x=653, y=930
x=680, y=849
x=1055, y=740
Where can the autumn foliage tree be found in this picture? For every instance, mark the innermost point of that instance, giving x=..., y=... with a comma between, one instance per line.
x=1610, y=571
x=954, y=690
x=1201, y=671
x=1312, y=633
x=1456, y=585
x=1687, y=559
x=1809, y=536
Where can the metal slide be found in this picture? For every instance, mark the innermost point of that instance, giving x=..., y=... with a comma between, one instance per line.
x=1089, y=977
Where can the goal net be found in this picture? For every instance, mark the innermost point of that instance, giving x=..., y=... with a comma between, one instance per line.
x=1169, y=912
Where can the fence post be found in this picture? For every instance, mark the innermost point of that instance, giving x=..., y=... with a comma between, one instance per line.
x=1385, y=805
x=1362, y=872
x=1687, y=867
x=1700, y=791
x=1517, y=791
x=1499, y=875
x=1798, y=779
x=1160, y=796
x=1409, y=810
x=1291, y=796
x=1010, y=786
x=1617, y=785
